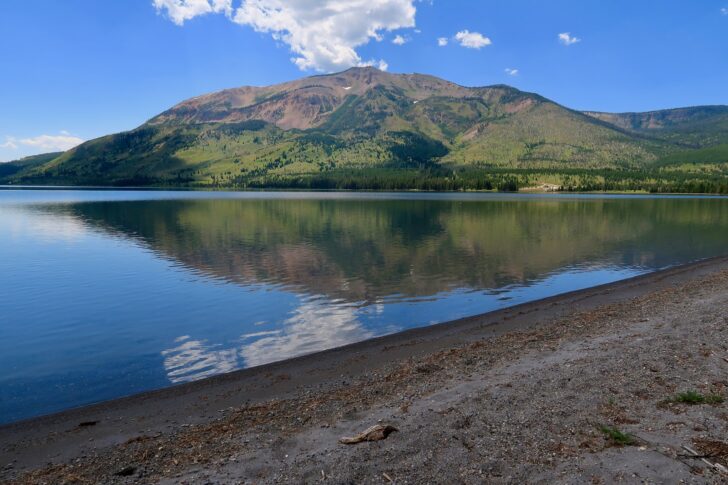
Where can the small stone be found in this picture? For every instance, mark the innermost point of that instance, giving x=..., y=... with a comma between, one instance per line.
x=127, y=471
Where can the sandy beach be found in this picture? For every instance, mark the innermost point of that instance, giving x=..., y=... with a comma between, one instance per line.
x=626, y=382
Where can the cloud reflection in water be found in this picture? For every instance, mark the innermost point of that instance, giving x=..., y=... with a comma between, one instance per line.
x=196, y=359
x=317, y=324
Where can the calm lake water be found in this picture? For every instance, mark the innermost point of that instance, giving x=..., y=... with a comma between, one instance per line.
x=109, y=293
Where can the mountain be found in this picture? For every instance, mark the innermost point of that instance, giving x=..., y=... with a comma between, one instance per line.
x=695, y=127
x=364, y=128
x=306, y=103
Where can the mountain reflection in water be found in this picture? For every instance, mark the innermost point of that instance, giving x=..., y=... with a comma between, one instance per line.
x=362, y=250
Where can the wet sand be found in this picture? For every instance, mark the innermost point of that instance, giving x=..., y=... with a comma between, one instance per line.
x=524, y=394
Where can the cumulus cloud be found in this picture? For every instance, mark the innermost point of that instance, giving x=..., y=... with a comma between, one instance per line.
x=51, y=143
x=442, y=41
x=566, y=39
x=472, y=40
x=724, y=10
x=322, y=34
x=180, y=10
x=511, y=72
x=399, y=40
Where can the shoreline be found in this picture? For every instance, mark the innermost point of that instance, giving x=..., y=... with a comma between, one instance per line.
x=525, y=191
x=102, y=428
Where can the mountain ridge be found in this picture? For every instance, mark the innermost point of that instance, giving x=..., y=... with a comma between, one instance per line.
x=364, y=124
x=333, y=87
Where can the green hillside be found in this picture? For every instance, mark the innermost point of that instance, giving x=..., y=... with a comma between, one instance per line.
x=367, y=129
x=11, y=169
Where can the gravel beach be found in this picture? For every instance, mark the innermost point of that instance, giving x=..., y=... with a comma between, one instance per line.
x=626, y=382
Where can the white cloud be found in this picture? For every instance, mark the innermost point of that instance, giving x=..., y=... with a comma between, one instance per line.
x=472, y=40
x=399, y=40
x=566, y=39
x=322, y=34
x=442, y=41
x=724, y=10
x=180, y=10
x=52, y=142
x=380, y=64
x=511, y=72
x=10, y=143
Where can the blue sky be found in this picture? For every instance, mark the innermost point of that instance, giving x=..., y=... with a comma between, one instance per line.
x=79, y=69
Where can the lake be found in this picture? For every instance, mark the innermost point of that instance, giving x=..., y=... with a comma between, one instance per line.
x=108, y=293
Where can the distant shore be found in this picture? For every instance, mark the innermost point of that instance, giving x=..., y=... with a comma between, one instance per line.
x=618, y=382
x=524, y=190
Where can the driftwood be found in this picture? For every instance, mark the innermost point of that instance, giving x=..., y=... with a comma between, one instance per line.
x=694, y=454
x=375, y=433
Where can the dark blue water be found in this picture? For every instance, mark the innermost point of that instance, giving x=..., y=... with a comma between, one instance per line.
x=108, y=293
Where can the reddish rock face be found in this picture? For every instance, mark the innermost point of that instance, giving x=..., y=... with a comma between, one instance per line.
x=307, y=103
